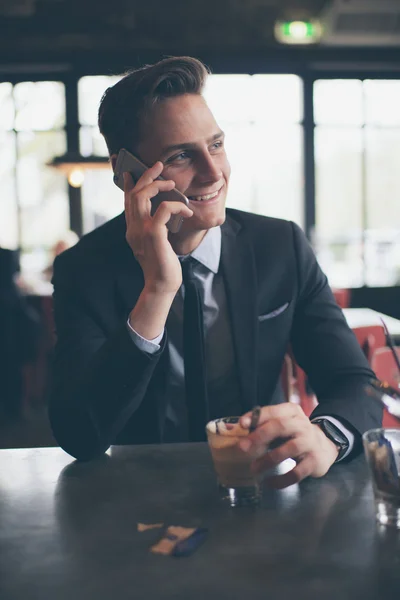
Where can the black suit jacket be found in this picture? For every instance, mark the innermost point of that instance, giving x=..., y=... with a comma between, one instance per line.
x=106, y=391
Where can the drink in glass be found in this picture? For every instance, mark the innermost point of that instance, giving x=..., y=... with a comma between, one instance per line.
x=238, y=485
x=382, y=450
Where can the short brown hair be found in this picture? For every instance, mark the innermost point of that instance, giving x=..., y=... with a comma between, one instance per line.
x=124, y=106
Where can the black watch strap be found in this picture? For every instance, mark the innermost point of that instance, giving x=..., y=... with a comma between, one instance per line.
x=334, y=434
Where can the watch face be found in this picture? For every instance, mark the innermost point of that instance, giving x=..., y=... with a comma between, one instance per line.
x=332, y=430
x=335, y=435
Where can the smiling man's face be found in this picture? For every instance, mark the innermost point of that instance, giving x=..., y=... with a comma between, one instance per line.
x=183, y=134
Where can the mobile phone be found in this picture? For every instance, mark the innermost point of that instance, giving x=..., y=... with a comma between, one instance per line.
x=127, y=162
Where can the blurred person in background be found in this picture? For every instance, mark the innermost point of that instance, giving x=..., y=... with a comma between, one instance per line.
x=66, y=241
x=19, y=335
x=37, y=281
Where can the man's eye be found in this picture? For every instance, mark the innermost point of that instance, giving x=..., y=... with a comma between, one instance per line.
x=178, y=157
x=218, y=145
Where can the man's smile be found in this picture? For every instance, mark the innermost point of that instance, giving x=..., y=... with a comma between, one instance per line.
x=206, y=197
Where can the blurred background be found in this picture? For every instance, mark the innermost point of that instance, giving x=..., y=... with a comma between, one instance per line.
x=307, y=91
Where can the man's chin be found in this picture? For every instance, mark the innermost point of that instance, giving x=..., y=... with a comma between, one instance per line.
x=220, y=220
x=204, y=223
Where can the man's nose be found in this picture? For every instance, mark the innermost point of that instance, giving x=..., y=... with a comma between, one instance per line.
x=208, y=168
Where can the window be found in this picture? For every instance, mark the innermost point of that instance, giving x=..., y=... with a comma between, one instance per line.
x=261, y=116
x=34, y=210
x=101, y=199
x=357, y=137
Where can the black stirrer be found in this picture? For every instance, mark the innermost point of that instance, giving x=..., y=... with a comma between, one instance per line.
x=391, y=345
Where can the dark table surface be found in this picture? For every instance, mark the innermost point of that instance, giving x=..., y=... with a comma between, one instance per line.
x=69, y=531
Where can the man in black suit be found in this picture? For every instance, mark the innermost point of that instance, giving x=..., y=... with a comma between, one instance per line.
x=119, y=363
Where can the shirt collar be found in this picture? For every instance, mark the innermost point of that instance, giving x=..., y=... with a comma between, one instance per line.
x=208, y=252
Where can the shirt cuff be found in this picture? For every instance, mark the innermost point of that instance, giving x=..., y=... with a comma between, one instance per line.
x=149, y=346
x=348, y=434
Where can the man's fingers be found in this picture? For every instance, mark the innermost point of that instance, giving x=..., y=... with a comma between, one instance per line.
x=129, y=184
x=276, y=411
x=275, y=429
x=138, y=203
x=302, y=470
x=149, y=176
x=167, y=209
x=293, y=448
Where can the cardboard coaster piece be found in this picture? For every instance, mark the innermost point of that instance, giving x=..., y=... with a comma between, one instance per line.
x=144, y=527
x=180, y=541
x=189, y=545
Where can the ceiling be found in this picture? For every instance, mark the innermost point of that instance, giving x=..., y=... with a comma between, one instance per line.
x=78, y=30
x=149, y=23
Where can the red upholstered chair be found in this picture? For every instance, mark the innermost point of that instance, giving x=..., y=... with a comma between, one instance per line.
x=308, y=401
x=342, y=297
x=384, y=366
x=294, y=382
x=287, y=378
x=370, y=338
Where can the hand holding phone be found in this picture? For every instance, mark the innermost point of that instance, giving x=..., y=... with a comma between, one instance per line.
x=127, y=162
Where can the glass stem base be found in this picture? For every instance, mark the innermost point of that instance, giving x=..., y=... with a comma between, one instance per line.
x=240, y=496
x=387, y=514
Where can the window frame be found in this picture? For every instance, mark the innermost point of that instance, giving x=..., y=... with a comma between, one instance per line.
x=70, y=76
x=310, y=127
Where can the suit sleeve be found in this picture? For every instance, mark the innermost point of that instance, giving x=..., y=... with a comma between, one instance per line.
x=99, y=379
x=327, y=349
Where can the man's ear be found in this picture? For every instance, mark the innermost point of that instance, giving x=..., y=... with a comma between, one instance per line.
x=113, y=160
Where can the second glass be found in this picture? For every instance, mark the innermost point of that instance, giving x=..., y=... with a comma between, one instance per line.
x=382, y=450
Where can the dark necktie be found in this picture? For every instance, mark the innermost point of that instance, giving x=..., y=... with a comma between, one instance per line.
x=194, y=354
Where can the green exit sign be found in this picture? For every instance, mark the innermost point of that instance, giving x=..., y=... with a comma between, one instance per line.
x=298, y=32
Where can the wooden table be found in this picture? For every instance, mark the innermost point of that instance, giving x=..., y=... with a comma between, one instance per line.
x=69, y=531
x=360, y=317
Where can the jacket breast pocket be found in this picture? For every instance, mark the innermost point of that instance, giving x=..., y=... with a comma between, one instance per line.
x=274, y=313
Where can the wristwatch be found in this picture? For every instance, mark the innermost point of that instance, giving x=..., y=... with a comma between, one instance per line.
x=334, y=434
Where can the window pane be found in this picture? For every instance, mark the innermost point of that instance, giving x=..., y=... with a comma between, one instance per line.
x=278, y=172
x=39, y=105
x=6, y=106
x=246, y=98
x=263, y=147
x=338, y=157
x=338, y=101
x=90, y=91
x=277, y=98
x=102, y=199
x=242, y=186
x=382, y=257
x=42, y=190
x=383, y=177
x=382, y=102
x=8, y=203
x=383, y=207
x=92, y=142
x=255, y=188
x=229, y=98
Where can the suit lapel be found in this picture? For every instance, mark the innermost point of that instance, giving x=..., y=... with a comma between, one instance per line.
x=239, y=274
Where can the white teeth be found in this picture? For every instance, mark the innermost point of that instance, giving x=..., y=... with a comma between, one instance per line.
x=208, y=197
